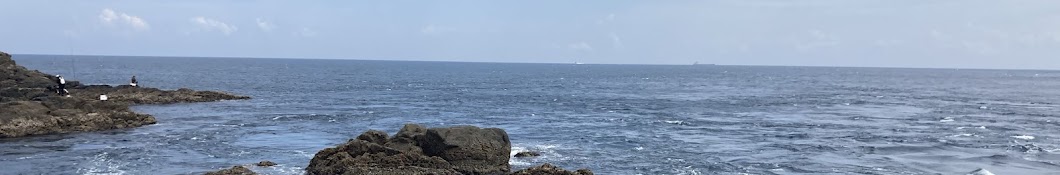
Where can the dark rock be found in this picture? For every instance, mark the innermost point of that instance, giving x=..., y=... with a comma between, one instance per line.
x=1028, y=148
x=417, y=150
x=373, y=136
x=30, y=106
x=265, y=163
x=548, y=169
x=408, y=139
x=980, y=171
x=527, y=154
x=363, y=157
x=235, y=170
x=470, y=149
x=5, y=59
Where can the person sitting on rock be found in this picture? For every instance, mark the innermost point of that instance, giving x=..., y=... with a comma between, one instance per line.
x=133, y=82
x=62, y=85
x=103, y=97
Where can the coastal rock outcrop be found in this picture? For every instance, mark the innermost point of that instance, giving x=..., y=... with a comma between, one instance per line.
x=30, y=106
x=527, y=154
x=549, y=169
x=266, y=163
x=235, y=170
x=417, y=150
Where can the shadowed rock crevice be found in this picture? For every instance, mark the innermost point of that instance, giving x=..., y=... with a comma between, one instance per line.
x=30, y=106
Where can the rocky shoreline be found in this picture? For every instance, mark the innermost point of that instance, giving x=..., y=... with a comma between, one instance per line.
x=29, y=106
x=417, y=150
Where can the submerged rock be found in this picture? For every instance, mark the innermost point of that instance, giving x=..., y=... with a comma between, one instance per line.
x=235, y=170
x=30, y=106
x=527, y=154
x=265, y=163
x=417, y=150
x=549, y=169
x=980, y=171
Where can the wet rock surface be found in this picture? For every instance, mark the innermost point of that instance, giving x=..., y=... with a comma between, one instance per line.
x=235, y=170
x=266, y=163
x=29, y=104
x=549, y=169
x=419, y=150
x=527, y=154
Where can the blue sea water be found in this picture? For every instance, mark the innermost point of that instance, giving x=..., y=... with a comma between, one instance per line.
x=613, y=119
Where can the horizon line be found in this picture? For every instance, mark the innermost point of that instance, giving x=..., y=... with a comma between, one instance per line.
x=571, y=63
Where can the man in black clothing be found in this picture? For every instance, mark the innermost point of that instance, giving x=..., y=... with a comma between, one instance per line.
x=133, y=82
x=62, y=85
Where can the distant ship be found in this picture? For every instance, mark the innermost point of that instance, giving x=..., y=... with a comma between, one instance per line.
x=697, y=64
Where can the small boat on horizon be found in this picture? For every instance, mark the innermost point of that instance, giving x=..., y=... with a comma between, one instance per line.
x=697, y=64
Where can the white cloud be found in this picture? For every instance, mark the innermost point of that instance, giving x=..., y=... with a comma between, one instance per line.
x=818, y=39
x=110, y=17
x=306, y=32
x=580, y=46
x=265, y=25
x=616, y=41
x=208, y=24
x=609, y=18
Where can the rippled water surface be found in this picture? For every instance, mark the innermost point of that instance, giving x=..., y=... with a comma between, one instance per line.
x=613, y=119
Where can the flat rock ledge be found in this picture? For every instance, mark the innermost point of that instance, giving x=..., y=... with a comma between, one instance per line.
x=29, y=105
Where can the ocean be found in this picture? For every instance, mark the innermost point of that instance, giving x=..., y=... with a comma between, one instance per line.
x=612, y=119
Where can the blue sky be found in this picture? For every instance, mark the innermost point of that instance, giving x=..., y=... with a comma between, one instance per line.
x=875, y=33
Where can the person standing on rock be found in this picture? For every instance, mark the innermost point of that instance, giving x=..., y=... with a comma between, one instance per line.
x=62, y=85
x=133, y=82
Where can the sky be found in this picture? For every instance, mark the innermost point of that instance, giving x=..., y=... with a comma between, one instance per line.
x=1019, y=34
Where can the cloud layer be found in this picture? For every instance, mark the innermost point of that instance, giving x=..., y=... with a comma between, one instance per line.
x=208, y=24
x=111, y=17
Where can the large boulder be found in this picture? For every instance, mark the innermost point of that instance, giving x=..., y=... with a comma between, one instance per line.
x=417, y=150
x=470, y=149
x=359, y=156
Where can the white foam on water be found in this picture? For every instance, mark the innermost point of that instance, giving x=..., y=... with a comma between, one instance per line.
x=27, y=157
x=978, y=127
x=276, y=169
x=548, y=152
x=305, y=154
x=980, y=172
x=1024, y=137
x=688, y=170
x=517, y=161
x=678, y=122
x=946, y=119
x=964, y=135
x=101, y=165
